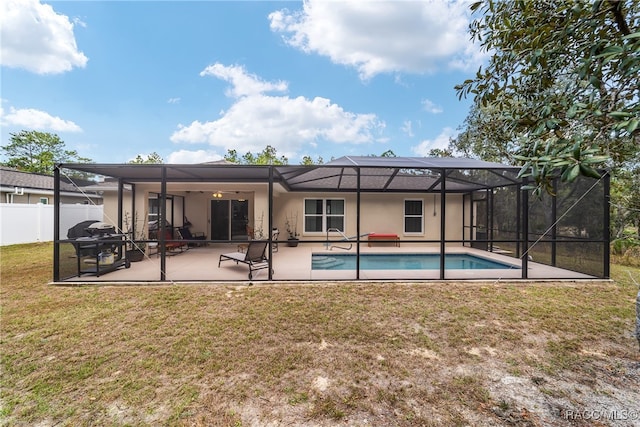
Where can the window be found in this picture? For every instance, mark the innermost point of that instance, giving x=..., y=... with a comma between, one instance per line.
x=44, y=200
x=154, y=210
x=323, y=214
x=413, y=216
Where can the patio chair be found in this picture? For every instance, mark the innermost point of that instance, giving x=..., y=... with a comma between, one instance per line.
x=175, y=246
x=198, y=236
x=255, y=256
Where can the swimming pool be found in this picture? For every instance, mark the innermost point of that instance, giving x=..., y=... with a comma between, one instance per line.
x=405, y=261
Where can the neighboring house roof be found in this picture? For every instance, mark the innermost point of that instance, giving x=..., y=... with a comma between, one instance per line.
x=11, y=178
x=376, y=174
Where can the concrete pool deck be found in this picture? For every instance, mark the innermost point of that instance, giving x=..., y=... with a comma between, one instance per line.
x=200, y=264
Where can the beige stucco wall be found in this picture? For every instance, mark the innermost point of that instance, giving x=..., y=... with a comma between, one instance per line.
x=380, y=213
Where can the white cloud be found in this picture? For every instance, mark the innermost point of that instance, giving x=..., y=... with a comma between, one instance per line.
x=36, y=38
x=243, y=83
x=407, y=128
x=256, y=120
x=173, y=101
x=441, y=141
x=431, y=107
x=190, y=157
x=383, y=36
x=36, y=119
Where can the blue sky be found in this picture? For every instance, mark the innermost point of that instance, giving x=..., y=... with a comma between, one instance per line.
x=191, y=80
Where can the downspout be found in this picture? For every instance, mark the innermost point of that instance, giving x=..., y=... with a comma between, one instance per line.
x=56, y=223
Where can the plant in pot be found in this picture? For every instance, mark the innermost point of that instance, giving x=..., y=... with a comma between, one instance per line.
x=291, y=223
x=135, y=233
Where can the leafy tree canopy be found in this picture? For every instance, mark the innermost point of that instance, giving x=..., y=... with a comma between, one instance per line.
x=267, y=156
x=307, y=161
x=560, y=91
x=625, y=202
x=38, y=152
x=440, y=152
x=153, y=158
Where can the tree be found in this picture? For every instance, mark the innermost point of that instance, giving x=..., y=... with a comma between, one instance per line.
x=153, y=158
x=625, y=202
x=483, y=136
x=308, y=161
x=561, y=86
x=267, y=156
x=38, y=152
x=440, y=152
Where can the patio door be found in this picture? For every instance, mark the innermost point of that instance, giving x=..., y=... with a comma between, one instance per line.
x=229, y=219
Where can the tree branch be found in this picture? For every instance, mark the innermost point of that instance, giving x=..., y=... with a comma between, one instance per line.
x=616, y=8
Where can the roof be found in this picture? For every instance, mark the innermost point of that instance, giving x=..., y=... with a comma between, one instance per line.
x=10, y=177
x=393, y=174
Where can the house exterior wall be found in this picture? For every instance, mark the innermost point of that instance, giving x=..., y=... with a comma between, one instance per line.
x=34, y=197
x=380, y=213
x=197, y=210
x=197, y=205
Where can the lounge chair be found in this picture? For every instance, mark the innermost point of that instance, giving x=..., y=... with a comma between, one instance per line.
x=255, y=256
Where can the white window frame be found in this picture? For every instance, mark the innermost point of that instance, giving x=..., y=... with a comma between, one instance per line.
x=405, y=216
x=44, y=200
x=324, y=214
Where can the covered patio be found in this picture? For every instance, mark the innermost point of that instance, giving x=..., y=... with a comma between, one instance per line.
x=295, y=264
x=414, y=205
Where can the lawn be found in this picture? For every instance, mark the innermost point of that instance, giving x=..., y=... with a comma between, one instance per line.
x=322, y=354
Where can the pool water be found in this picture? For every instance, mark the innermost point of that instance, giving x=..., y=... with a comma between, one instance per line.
x=407, y=261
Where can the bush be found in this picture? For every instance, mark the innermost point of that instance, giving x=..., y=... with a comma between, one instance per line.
x=626, y=251
x=631, y=257
x=621, y=246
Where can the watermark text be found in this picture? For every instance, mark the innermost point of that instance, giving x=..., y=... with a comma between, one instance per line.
x=603, y=414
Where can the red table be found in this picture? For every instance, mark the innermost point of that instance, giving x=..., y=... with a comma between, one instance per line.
x=384, y=236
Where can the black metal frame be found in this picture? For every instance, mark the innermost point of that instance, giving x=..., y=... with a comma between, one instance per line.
x=272, y=174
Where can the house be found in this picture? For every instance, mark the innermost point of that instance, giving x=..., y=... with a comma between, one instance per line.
x=26, y=205
x=403, y=204
x=31, y=188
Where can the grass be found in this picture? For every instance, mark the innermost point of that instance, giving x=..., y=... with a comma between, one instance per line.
x=386, y=353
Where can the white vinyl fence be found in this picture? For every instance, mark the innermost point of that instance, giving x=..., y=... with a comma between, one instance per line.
x=22, y=223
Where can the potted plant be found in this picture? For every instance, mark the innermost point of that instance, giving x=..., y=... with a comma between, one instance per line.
x=134, y=250
x=291, y=223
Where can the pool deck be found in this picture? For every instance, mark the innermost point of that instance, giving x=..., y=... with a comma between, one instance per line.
x=200, y=264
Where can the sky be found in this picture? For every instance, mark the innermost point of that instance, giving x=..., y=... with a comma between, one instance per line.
x=190, y=80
